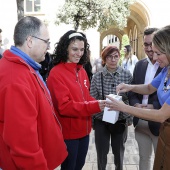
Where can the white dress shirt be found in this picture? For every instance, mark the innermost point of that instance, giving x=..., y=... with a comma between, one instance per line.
x=150, y=74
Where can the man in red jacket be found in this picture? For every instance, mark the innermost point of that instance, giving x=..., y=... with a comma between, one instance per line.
x=30, y=133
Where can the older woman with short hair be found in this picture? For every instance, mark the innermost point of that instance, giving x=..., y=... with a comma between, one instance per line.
x=102, y=84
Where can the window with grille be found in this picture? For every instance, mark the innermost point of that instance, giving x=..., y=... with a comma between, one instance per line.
x=33, y=6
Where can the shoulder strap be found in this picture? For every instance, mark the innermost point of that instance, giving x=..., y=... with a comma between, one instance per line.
x=102, y=85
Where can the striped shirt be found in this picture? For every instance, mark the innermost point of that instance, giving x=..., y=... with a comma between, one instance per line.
x=110, y=81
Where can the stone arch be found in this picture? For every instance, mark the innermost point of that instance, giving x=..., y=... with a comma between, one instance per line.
x=134, y=41
x=130, y=35
x=114, y=31
x=139, y=19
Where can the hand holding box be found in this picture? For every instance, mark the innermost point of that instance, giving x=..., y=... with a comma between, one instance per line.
x=111, y=116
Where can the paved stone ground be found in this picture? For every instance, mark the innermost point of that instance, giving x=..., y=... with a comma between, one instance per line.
x=131, y=158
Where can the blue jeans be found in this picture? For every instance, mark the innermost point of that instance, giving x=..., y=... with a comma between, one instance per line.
x=77, y=151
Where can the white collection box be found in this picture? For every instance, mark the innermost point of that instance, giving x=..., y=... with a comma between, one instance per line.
x=111, y=116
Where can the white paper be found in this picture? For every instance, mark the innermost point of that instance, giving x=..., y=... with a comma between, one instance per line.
x=111, y=116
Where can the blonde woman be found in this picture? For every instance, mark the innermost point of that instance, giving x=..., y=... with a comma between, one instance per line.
x=129, y=60
x=161, y=84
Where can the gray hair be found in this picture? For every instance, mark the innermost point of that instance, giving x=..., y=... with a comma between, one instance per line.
x=26, y=26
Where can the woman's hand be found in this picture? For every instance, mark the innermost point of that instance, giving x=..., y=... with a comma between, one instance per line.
x=102, y=104
x=122, y=88
x=114, y=104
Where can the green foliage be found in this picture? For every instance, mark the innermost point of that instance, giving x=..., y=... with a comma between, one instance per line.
x=94, y=13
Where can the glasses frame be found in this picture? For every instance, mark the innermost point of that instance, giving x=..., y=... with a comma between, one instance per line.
x=46, y=41
x=110, y=57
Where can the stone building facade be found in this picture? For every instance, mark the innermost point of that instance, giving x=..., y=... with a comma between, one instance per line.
x=144, y=13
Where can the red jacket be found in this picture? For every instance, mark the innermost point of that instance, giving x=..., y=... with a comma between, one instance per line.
x=30, y=135
x=69, y=87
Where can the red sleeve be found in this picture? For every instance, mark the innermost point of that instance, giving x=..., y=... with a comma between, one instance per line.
x=20, y=128
x=64, y=102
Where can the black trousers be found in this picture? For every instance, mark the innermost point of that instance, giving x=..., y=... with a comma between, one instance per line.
x=106, y=133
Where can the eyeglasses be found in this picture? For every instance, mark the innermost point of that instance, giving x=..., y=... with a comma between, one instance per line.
x=46, y=41
x=146, y=45
x=110, y=57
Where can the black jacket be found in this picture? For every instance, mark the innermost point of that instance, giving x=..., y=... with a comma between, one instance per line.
x=139, y=78
x=46, y=66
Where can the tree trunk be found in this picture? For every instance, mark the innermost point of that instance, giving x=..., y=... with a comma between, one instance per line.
x=76, y=25
x=20, y=8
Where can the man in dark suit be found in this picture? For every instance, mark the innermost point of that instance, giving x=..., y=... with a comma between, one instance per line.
x=146, y=132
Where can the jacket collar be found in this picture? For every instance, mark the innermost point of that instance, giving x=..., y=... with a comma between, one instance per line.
x=25, y=57
x=118, y=71
x=72, y=66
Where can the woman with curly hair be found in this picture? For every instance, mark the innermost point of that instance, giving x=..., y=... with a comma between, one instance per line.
x=69, y=87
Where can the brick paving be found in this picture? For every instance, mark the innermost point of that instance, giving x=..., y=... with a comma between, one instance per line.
x=131, y=158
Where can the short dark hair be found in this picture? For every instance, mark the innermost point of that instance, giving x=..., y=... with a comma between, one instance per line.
x=60, y=52
x=25, y=27
x=149, y=31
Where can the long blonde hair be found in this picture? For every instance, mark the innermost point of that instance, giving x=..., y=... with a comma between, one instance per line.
x=129, y=53
x=161, y=40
